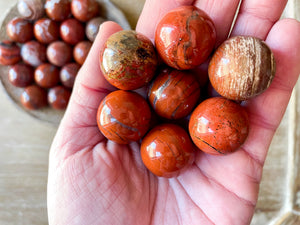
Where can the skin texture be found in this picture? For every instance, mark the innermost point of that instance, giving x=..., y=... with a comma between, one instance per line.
x=94, y=181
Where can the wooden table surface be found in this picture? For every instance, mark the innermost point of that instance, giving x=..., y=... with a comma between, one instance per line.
x=25, y=143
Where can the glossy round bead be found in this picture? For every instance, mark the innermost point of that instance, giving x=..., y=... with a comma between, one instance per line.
x=9, y=53
x=34, y=97
x=92, y=28
x=185, y=37
x=58, y=97
x=58, y=10
x=84, y=10
x=174, y=93
x=46, y=30
x=33, y=53
x=19, y=30
x=219, y=126
x=72, y=31
x=166, y=150
x=59, y=53
x=46, y=75
x=21, y=75
x=81, y=50
x=241, y=68
x=128, y=60
x=31, y=9
x=68, y=74
x=123, y=116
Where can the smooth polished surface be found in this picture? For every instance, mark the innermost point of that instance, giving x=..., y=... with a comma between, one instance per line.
x=58, y=10
x=20, y=30
x=46, y=30
x=21, y=75
x=84, y=10
x=128, y=60
x=123, y=116
x=219, y=126
x=241, y=68
x=174, y=93
x=185, y=37
x=166, y=150
x=9, y=53
x=46, y=75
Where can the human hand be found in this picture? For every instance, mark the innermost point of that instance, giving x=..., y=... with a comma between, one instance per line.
x=95, y=181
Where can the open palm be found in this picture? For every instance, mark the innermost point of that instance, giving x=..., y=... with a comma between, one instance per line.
x=95, y=181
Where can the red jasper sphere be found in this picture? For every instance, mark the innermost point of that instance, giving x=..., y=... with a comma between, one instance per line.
x=166, y=150
x=174, y=93
x=81, y=50
x=34, y=97
x=9, y=53
x=219, y=126
x=123, y=116
x=84, y=10
x=128, y=60
x=46, y=75
x=19, y=30
x=46, y=30
x=72, y=31
x=58, y=97
x=68, y=74
x=21, y=75
x=185, y=37
x=58, y=10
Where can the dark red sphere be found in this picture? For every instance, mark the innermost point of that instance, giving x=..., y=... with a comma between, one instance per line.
x=21, y=75
x=84, y=10
x=72, y=31
x=34, y=97
x=19, y=30
x=58, y=97
x=46, y=75
x=59, y=53
x=46, y=30
x=68, y=74
x=58, y=10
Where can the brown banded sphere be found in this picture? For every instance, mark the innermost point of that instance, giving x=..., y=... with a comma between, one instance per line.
x=174, y=93
x=59, y=53
x=58, y=10
x=46, y=30
x=128, y=60
x=19, y=30
x=9, y=53
x=123, y=116
x=84, y=10
x=68, y=74
x=241, y=68
x=34, y=97
x=58, y=97
x=21, y=75
x=81, y=50
x=46, y=75
x=166, y=150
x=219, y=126
x=72, y=31
x=31, y=9
x=92, y=28
x=33, y=53
x=185, y=37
